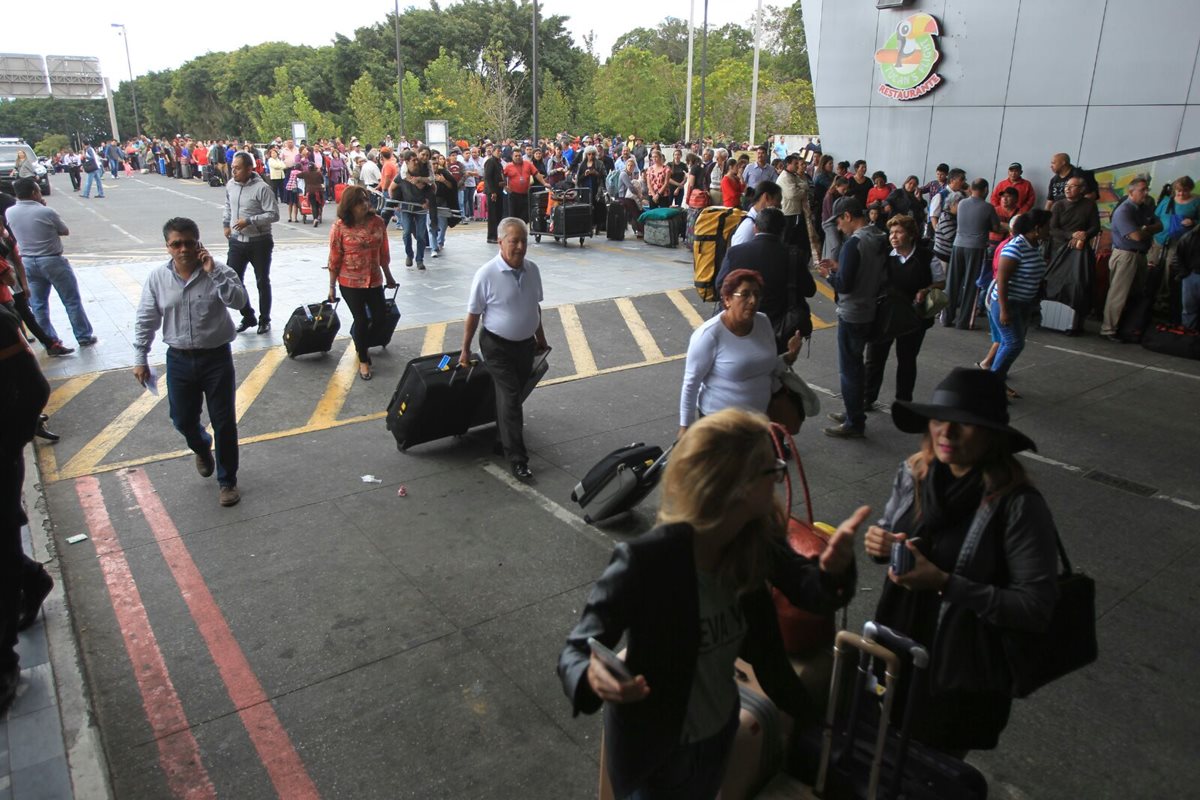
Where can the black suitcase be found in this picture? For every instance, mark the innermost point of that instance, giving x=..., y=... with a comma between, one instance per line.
x=616, y=222
x=840, y=760
x=1172, y=340
x=311, y=329
x=573, y=221
x=620, y=480
x=381, y=335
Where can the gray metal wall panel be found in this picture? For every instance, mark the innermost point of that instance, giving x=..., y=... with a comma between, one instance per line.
x=1189, y=135
x=811, y=12
x=1109, y=137
x=1041, y=44
x=847, y=66
x=1031, y=135
x=1194, y=94
x=965, y=136
x=1147, y=52
x=848, y=128
x=976, y=51
x=898, y=140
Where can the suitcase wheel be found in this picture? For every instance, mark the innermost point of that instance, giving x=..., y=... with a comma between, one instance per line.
x=538, y=238
x=581, y=241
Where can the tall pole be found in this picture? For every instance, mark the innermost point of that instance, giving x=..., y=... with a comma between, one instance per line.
x=687, y=125
x=754, y=79
x=703, y=69
x=137, y=120
x=112, y=111
x=534, y=138
x=399, y=70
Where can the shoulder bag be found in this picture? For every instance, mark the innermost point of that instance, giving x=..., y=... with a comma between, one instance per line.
x=89, y=164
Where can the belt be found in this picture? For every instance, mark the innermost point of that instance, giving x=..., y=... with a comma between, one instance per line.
x=507, y=341
x=1128, y=250
x=198, y=350
x=42, y=255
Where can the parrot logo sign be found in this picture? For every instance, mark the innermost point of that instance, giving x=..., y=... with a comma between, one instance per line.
x=908, y=57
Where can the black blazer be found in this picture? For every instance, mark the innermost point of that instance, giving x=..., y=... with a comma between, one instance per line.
x=493, y=176
x=648, y=592
x=770, y=257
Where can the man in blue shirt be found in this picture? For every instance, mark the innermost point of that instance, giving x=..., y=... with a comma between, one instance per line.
x=1133, y=227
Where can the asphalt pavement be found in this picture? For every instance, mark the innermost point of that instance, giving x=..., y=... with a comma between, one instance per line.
x=332, y=637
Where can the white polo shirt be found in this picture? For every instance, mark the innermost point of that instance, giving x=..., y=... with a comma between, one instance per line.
x=507, y=299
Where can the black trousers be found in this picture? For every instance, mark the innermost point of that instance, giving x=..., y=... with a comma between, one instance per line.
x=510, y=364
x=258, y=253
x=907, y=349
x=518, y=206
x=12, y=477
x=367, y=308
x=20, y=304
x=495, y=211
x=76, y=181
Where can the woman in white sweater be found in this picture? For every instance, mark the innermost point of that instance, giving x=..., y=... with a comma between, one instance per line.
x=731, y=357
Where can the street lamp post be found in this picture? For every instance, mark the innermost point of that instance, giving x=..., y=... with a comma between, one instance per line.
x=137, y=120
x=534, y=74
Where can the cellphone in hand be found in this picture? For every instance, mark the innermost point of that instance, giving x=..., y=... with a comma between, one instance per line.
x=902, y=560
x=615, y=665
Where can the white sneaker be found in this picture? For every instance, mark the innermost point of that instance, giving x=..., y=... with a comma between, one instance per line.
x=435, y=254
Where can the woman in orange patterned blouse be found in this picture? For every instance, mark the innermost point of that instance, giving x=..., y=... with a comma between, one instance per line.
x=360, y=262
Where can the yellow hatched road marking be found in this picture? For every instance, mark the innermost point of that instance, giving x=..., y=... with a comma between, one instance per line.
x=252, y=385
x=435, y=339
x=689, y=312
x=66, y=392
x=820, y=324
x=126, y=283
x=637, y=326
x=581, y=353
x=83, y=462
x=336, y=390
x=825, y=289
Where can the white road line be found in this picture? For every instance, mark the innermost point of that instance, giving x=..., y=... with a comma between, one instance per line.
x=1051, y=462
x=180, y=194
x=560, y=513
x=1122, y=361
x=127, y=233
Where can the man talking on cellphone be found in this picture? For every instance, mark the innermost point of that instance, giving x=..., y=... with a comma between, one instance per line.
x=187, y=297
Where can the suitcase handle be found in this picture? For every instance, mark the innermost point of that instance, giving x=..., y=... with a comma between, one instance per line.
x=897, y=642
x=333, y=310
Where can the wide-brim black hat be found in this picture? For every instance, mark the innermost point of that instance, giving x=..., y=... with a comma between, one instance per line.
x=967, y=396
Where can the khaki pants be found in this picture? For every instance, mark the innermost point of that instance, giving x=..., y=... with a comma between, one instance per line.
x=1126, y=269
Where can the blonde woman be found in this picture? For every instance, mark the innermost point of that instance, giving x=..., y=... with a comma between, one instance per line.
x=705, y=567
x=24, y=167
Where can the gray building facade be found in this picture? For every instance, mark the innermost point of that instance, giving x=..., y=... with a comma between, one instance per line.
x=1105, y=81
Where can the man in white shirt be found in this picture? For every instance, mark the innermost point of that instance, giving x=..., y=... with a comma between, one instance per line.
x=369, y=174
x=506, y=297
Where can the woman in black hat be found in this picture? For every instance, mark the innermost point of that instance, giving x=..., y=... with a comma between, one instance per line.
x=982, y=544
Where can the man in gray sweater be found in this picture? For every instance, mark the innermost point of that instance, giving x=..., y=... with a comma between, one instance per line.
x=976, y=219
x=250, y=209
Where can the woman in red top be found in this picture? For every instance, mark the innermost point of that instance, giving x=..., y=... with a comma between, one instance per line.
x=879, y=191
x=360, y=262
x=732, y=185
x=658, y=181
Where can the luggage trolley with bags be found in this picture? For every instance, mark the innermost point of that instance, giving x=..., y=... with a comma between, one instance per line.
x=561, y=213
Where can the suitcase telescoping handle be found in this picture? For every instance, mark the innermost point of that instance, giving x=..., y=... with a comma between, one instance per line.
x=843, y=644
x=332, y=310
x=900, y=643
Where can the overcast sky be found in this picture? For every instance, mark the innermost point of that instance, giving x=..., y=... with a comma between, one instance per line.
x=158, y=40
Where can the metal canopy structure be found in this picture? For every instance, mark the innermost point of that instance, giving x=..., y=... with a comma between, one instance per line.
x=23, y=75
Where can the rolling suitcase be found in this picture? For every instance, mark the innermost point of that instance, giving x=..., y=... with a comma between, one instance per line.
x=311, y=329
x=620, y=481
x=856, y=758
x=485, y=414
x=758, y=748
x=305, y=206
x=571, y=221
x=338, y=190
x=615, y=222
x=381, y=335
x=1172, y=340
x=214, y=179
x=437, y=398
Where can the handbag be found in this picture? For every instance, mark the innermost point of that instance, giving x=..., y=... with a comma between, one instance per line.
x=88, y=164
x=793, y=401
x=895, y=316
x=699, y=198
x=1068, y=644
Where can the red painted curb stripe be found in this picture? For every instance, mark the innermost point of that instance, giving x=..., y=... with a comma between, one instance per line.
x=274, y=747
x=178, y=753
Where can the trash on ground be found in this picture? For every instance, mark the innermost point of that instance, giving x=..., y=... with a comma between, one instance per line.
x=371, y=479
x=402, y=491
x=77, y=538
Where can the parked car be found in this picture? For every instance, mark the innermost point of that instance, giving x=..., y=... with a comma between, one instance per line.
x=8, y=162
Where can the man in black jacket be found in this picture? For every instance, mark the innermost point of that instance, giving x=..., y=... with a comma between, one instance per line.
x=493, y=185
x=785, y=283
x=1186, y=262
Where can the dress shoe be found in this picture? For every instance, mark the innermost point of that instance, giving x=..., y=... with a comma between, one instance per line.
x=230, y=496
x=1112, y=337
x=408, y=261
x=522, y=471
x=205, y=463
x=842, y=432
x=32, y=598
x=42, y=432
x=59, y=349
x=246, y=324
x=264, y=326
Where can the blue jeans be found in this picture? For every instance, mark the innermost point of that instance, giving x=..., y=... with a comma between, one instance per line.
x=114, y=166
x=415, y=227
x=437, y=236
x=1191, y=301
x=852, y=341
x=95, y=177
x=44, y=272
x=196, y=375
x=691, y=771
x=1012, y=335
x=466, y=202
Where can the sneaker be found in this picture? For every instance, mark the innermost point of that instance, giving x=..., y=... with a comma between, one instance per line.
x=421, y=265
x=230, y=496
x=264, y=326
x=837, y=416
x=87, y=341
x=408, y=261
x=246, y=324
x=42, y=432
x=843, y=432
x=59, y=349
x=522, y=471
x=32, y=597
x=205, y=463
x=436, y=253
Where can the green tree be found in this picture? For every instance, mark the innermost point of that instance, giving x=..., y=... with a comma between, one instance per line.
x=727, y=99
x=502, y=111
x=275, y=115
x=453, y=93
x=554, y=107
x=51, y=144
x=783, y=35
x=631, y=96
x=320, y=125
x=372, y=116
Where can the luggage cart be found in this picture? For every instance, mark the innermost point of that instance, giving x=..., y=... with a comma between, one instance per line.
x=542, y=205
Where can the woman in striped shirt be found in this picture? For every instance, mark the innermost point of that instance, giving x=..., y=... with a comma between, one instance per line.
x=1015, y=289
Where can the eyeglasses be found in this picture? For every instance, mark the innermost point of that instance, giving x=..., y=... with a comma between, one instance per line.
x=179, y=244
x=779, y=470
x=748, y=296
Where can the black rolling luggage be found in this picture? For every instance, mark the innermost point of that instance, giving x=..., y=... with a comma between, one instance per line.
x=381, y=335
x=615, y=222
x=572, y=221
x=214, y=178
x=311, y=329
x=620, y=481
x=843, y=760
